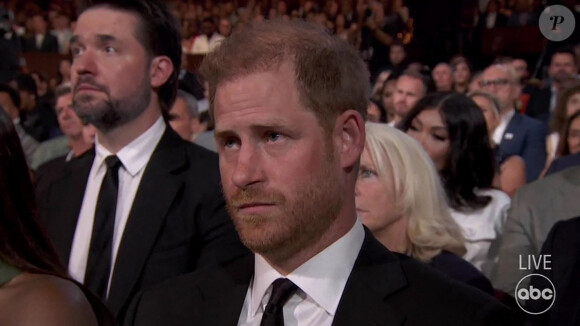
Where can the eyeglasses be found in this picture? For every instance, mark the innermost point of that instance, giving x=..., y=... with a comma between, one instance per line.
x=496, y=82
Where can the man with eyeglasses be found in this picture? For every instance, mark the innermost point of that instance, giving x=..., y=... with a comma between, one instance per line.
x=516, y=134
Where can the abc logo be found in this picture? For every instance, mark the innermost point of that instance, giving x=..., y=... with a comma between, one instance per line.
x=535, y=298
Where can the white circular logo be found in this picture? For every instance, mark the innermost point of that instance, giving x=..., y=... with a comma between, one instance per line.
x=557, y=23
x=537, y=298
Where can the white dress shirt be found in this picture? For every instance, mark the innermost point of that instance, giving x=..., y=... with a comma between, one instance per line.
x=500, y=129
x=321, y=281
x=134, y=158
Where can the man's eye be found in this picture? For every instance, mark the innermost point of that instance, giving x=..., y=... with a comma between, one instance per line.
x=75, y=51
x=273, y=136
x=110, y=49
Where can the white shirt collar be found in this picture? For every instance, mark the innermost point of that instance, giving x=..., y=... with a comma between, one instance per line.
x=500, y=129
x=136, y=154
x=323, y=277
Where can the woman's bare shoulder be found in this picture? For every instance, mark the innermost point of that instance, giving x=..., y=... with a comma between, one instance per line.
x=40, y=299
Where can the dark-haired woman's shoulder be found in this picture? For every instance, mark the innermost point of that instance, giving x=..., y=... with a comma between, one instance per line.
x=40, y=299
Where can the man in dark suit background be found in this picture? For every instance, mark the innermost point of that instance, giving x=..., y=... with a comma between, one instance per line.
x=144, y=205
x=563, y=246
x=41, y=40
x=516, y=134
x=563, y=67
x=289, y=126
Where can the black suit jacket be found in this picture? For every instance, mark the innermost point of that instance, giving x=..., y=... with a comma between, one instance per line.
x=563, y=243
x=539, y=104
x=383, y=289
x=49, y=44
x=177, y=221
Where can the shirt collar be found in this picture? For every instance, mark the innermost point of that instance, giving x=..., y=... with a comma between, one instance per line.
x=136, y=154
x=323, y=277
x=501, y=128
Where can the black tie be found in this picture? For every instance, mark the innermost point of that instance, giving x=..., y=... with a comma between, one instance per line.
x=282, y=290
x=100, y=252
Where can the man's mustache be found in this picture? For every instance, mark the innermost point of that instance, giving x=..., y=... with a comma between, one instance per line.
x=89, y=80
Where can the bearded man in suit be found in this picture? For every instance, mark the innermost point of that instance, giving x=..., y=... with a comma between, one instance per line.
x=289, y=101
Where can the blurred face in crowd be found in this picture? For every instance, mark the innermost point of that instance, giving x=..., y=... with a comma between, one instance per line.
x=442, y=77
x=373, y=112
x=396, y=54
x=9, y=106
x=110, y=69
x=475, y=84
x=489, y=113
x=461, y=74
x=279, y=168
x=430, y=131
x=180, y=119
x=70, y=124
x=64, y=69
x=573, y=104
x=562, y=66
x=374, y=197
x=387, y=95
x=498, y=81
x=574, y=137
x=207, y=28
x=408, y=92
x=39, y=24
x=225, y=27
x=521, y=68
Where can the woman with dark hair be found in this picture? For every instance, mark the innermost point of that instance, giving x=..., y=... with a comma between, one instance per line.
x=568, y=104
x=33, y=287
x=452, y=129
x=570, y=135
x=461, y=74
x=376, y=112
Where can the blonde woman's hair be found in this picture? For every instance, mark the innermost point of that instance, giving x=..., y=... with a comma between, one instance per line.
x=419, y=196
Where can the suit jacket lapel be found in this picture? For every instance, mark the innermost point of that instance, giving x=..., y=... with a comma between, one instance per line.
x=508, y=138
x=66, y=198
x=376, y=275
x=226, y=291
x=156, y=192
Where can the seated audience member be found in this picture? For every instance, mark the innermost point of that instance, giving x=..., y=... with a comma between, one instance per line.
x=516, y=134
x=563, y=66
x=10, y=101
x=376, y=112
x=208, y=40
x=41, y=40
x=183, y=116
x=563, y=247
x=399, y=197
x=569, y=148
x=204, y=136
x=379, y=83
x=492, y=17
x=387, y=96
x=397, y=56
x=45, y=93
x=74, y=142
x=289, y=163
x=411, y=87
x=442, y=77
x=535, y=208
x=568, y=104
x=64, y=72
x=452, y=130
x=511, y=173
x=475, y=84
x=34, y=289
x=36, y=117
x=461, y=74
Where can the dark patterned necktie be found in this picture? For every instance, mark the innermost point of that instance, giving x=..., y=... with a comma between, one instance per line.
x=282, y=290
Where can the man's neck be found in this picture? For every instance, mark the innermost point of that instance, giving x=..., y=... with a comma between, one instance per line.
x=115, y=139
x=78, y=145
x=507, y=111
x=337, y=230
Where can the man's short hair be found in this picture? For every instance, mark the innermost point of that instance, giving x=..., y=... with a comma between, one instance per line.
x=158, y=32
x=329, y=74
x=413, y=74
x=61, y=90
x=564, y=50
x=12, y=93
x=190, y=101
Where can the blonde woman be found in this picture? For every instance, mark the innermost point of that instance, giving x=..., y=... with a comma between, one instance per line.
x=399, y=197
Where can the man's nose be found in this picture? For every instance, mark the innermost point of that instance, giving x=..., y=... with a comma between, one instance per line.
x=248, y=169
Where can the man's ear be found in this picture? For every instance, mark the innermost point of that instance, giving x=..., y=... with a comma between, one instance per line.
x=161, y=70
x=349, y=133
